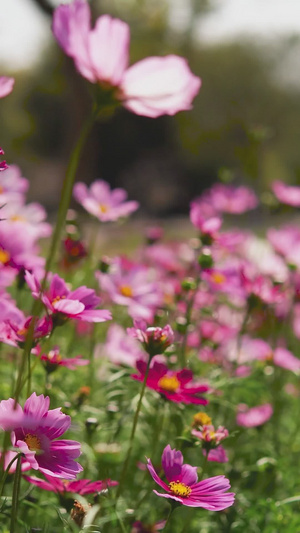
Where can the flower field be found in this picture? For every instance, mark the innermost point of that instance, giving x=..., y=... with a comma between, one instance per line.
x=154, y=390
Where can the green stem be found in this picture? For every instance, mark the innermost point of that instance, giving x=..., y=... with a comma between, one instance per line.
x=6, y=472
x=15, y=496
x=188, y=316
x=134, y=425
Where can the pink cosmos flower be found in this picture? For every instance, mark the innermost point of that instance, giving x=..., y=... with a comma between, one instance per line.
x=286, y=194
x=34, y=431
x=78, y=304
x=18, y=251
x=103, y=203
x=234, y=200
x=62, y=486
x=183, y=485
x=28, y=217
x=208, y=225
x=176, y=386
x=53, y=359
x=154, y=339
x=255, y=416
x=217, y=455
x=18, y=329
x=12, y=185
x=133, y=286
x=152, y=87
x=120, y=348
x=208, y=434
x=6, y=85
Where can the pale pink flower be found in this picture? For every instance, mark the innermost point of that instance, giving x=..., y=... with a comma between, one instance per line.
x=234, y=200
x=255, y=416
x=132, y=285
x=103, y=203
x=286, y=194
x=152, y=87
x=6, y=85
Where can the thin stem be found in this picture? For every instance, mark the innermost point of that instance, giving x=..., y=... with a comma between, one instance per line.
x=188, y=315
x=15, y=496
x=6, y=472
x=134, y=425
x=168, y=517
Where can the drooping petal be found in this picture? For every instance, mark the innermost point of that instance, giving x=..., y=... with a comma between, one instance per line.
x=159, y=86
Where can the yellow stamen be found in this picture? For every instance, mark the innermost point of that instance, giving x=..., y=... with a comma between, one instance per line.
x=103, y=208
x=4, y=257
x=17, y=218
x=218, y=278
x=53, y=355
x=126, y=290
x=201, y=419
x=169, y=383
x=33, y=442
x=57, y=299
x=180, y=489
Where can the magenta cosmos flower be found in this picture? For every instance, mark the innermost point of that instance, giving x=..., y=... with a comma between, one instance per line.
x=78, y=304
x=255, y=416
x=34, y=431
x=176, y=386
x=103, y=203
x=62, y=486
x=286, y=194
x=152, y=87
x=6, y=85
x=183, y=485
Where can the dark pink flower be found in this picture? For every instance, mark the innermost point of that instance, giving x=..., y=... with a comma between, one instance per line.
x=78, y=304
x=103, y=203
x=152, y=87
x=255, y=416
x=286, y=194
x=183, y=485
x=62, y=486
x=217, y=455
x=34, y=432
x=176, y=386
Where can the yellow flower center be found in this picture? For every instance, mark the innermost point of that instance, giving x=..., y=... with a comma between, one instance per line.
x=17, y=218
x=126, y=290
x=180, y=489
x=270, y=357
x=1, y=189
x=103, y=208
x=33, y=442
x=218, y=278
x=53, y=355
x=4, y=257
x=22, y=332
x=57, y=299
x=169, y=383
x=201, y=419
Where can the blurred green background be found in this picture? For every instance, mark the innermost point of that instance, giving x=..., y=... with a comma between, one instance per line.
x=244, y=127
